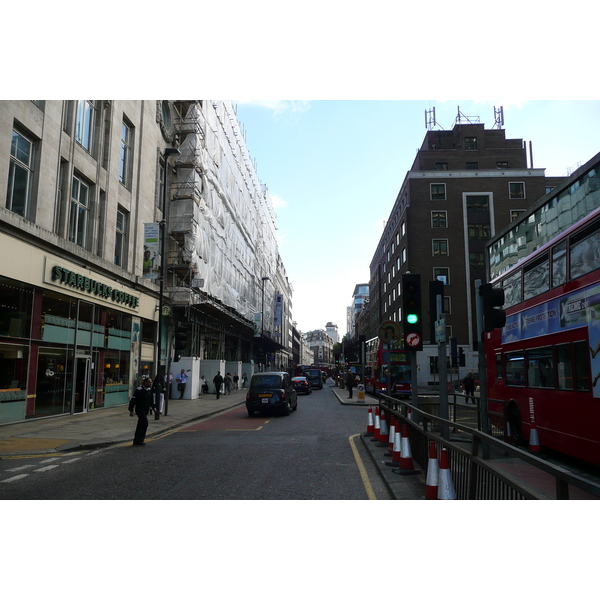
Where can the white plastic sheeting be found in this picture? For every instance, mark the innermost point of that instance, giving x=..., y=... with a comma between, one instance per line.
x=222, y=213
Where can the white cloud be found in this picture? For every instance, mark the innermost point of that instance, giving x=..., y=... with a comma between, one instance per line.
x=277, y=201
x=380, y=225
x=280, y=108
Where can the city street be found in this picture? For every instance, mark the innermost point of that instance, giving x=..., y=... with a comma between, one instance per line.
x=314, y=453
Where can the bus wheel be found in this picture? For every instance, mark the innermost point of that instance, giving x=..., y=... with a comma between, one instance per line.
x=514, y=421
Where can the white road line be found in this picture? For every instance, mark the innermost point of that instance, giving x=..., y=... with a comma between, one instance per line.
x=72, y=460
x=19, y=468
x=15, y=478
x=49, y=460
x=46, y=468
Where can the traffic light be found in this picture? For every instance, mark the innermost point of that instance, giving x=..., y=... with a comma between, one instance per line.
x=182, y=332
x=412, y=317
x=493, y=317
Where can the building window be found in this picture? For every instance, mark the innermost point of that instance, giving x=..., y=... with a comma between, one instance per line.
x=479, y=231
x=20, y=174
x=440, y=247
x=120, y=236
x=516, y=190
x=441, y=166
x=439, y=218
x=84, y=125
x=442, y=274
x=470, y=143
x=438, y=191
x=502, y=165
x=478, y=203
x=476, y=259
x=472, y=165
x=125, y=157
x=515, y=214
x=79, y=212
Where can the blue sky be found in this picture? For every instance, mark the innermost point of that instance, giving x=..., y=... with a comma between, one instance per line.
x=334, y=169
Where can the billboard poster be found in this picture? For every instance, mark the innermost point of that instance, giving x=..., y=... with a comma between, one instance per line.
x=151, y=260
x=278, y=310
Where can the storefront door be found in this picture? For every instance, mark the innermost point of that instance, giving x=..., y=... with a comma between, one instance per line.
x=82, y=390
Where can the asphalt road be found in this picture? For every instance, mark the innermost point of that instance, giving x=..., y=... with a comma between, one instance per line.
x=314, y=453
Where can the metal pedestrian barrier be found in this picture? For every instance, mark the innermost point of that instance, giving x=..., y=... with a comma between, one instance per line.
x=506, y=472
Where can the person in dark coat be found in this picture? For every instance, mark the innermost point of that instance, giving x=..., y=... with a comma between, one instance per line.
x=218, y=381
x=349, y=382
x=142, y=402
x=469, y=384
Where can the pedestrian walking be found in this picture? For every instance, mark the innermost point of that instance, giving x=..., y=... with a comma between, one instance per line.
x=469, y=386
x=228, y=383
x=218, y=381
x=349, y=382
x=236, y=379
x=141, y=404
x=244, y=379
x=181, y=381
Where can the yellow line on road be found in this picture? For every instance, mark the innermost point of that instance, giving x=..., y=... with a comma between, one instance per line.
x=361, y=469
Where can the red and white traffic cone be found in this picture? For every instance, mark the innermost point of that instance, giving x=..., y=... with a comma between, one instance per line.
x=391, y=437
x=433, y=473
x=377, y=426
x=534, y=441
x=445, y=485
x=370, y=424
x=406, y=461
x=384, y=432
x=395, y=462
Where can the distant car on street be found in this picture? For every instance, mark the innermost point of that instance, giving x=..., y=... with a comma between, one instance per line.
x=315, y=377
x=302, y=384
x=271, y=391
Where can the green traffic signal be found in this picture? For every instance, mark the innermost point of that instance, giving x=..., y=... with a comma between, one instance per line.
x=412, y=318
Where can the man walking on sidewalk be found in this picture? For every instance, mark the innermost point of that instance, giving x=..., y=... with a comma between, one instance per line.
x=218, y=381
x=141, y=402
x=349, y=383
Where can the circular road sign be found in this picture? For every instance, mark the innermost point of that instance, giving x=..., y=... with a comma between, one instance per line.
x=412, y=339
x=389, y=331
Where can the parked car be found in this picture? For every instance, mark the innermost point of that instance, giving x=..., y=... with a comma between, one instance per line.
x=302, y=384
x=315, y=377
x=271, y=392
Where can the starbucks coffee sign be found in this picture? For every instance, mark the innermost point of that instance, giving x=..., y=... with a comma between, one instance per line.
x=83, y=283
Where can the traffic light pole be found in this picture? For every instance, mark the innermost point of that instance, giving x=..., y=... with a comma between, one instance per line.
x=482, y=369
x=443, y=372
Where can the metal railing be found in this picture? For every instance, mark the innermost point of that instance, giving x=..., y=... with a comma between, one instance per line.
x=508, y=474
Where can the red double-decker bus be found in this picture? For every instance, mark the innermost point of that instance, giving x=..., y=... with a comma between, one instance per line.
x=544, y=365
x=383, y=360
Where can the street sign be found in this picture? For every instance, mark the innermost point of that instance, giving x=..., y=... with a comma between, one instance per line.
x=389, y=331
x=413, y=340
x=440, y=331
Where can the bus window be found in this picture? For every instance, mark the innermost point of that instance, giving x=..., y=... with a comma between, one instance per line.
x=564, y=367
x=540, y=368
x=512, y=289
x=559, y=264
x=582, y=366
x=515, y=368
x=536, y=278
x=583, y=251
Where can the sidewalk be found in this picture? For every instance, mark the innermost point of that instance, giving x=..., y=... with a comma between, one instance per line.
x=104, y=426
x=401, y=487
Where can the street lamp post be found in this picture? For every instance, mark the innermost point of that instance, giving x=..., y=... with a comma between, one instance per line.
x=262, y=321
x=163, y=263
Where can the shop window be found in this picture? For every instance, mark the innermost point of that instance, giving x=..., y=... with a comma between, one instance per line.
x=16, y=301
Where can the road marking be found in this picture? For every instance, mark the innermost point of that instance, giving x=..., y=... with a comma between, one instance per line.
x=361, y=469
x=19, y=468
x=48, y=460
x=15, y=478
x=48, y=468
x=72, y=460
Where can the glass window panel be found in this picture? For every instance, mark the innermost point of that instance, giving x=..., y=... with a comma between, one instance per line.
x=540, y=368
x=582, y=366
x=536, y=280
x=564, y=367
x=515, y=368
x=559, y=264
